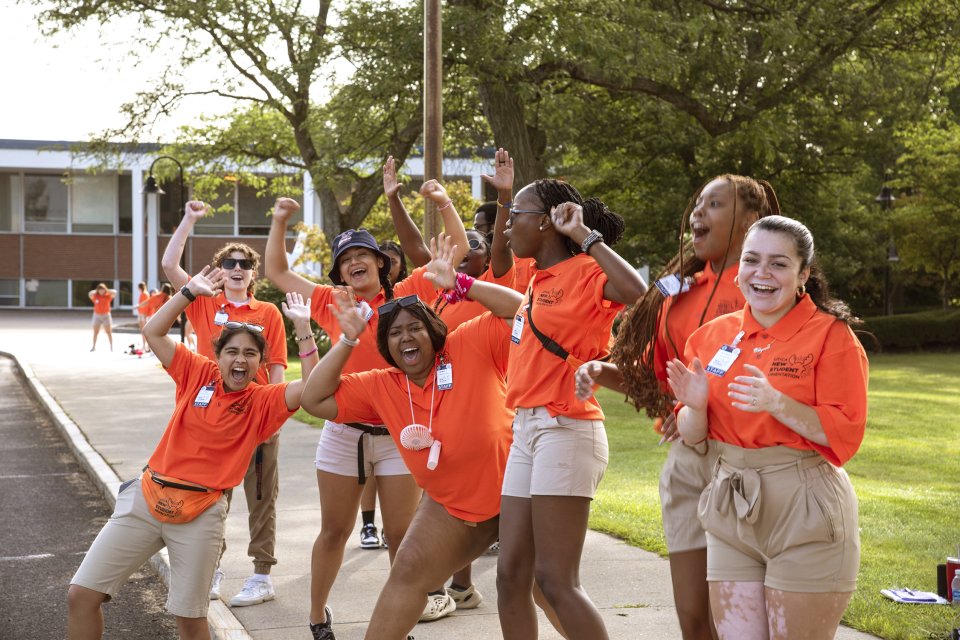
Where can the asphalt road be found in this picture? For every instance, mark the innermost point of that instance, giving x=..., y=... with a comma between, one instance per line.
x=50, y=512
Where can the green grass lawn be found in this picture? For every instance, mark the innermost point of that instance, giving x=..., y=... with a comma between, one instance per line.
x=907, y=477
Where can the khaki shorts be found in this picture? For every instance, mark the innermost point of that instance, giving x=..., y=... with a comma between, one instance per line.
x=102, y=320
x=554, y=456
x=341, y=447
x=781, y=516
x=132, y=535
x=684, y=476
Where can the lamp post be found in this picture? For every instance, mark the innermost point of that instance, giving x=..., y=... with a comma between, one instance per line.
x=153, y=192
x=886, y=199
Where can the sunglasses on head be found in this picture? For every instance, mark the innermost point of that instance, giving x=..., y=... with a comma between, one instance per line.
x=232, y=324
x=229, y=263
x=402, y=303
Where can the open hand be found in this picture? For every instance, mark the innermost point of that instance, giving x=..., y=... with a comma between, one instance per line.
x=296, y=309
x=209, y=282
x=585, y=379
x=345, y=311
x=502, y=178
x=390, y=185
x=440, y=269
x=284, y=208
x=688, y=384
x=754, y=393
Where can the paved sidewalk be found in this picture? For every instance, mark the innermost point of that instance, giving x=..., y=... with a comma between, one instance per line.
x=121, y=404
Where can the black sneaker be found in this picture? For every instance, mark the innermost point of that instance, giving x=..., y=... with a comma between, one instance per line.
x=368, y=537
x=322, y=630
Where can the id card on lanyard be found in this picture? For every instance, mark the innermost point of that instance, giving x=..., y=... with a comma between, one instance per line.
x=221, y=317
x=725, y=357
x=205, y=395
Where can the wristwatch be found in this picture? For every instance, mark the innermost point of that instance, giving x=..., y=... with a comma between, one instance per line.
x=188, y=294
x=592, y=238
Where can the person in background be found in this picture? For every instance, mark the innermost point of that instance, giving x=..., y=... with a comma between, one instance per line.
x=780, y=389
x=102, y=297
x=141, y=312
x=237, y=303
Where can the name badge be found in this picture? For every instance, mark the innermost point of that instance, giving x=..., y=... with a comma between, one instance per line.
x=672, y=285
x=517, y=329
x=203, y=398
x=220, y=318
x=723, y=360
x=445, y=377
x=365, y=310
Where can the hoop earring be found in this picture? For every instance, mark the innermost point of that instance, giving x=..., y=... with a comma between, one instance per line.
x=736, y=280
x=801, y=291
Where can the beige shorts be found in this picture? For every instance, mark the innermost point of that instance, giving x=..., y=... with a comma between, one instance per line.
x=132, y=535
x=801, y=536
x=684, y=476
x=102, y=320
x=344, y=450
x=554, y=456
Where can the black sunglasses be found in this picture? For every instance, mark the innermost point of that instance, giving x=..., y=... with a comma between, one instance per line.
x=404, y=302
x=232, y=324
x=229, y=263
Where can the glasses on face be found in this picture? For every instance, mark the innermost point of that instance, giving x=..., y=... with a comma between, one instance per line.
x=229, y=263
x=515, y=212
x=474, y=243
x=233, y=324
x=482, y=227
x=403, y=303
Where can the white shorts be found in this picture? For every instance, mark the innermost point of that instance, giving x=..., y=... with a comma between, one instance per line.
x=102, y=320
x=347, y=451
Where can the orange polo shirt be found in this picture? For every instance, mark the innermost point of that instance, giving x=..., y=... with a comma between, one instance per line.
x=471, y=420
x=569, y=307
x=144, y=296
x=810, y=356
x=680, y=315
x=153, y=303
x=364, y=356
x=454, y=314
x=212, y=445
x=101, y=303
x=525, y=268
x=202, y=315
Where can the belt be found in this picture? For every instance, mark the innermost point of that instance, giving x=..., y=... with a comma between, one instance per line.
x=742, y=485
x=369, y=430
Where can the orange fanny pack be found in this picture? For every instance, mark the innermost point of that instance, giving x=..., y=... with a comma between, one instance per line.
x=174, y=501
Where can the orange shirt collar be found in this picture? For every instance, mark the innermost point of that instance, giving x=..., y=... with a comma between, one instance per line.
x=252, y=302
x=786, y=327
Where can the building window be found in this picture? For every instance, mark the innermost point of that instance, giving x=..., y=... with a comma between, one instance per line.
x=9, y=202
x=252, y=212
x=9, y=292
x=94, y=203
x=125, y=201
x=219, y=224
x=52, y=293
x=46, y=203
x=125, y=294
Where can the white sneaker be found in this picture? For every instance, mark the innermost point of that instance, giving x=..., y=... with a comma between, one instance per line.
x=469, y=598
x=255, y=591
x=438, y=606
x=215, y=584
x=368, y=537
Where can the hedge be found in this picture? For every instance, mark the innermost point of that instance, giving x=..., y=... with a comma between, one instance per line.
x=939, y=329
x=266, y=291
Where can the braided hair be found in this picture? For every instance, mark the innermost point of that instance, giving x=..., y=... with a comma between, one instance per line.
x=596, y=215
x=633, y=352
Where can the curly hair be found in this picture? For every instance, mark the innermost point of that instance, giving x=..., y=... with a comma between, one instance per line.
x=596, y=215
x=246, y=250
x=633, y=352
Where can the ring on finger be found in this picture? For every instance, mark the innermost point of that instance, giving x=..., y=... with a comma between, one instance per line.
x=754, y=402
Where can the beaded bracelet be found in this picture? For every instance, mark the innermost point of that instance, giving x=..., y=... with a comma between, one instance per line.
x=307, y=337
x=460, y=289
x=350, y=342
x=309, y=353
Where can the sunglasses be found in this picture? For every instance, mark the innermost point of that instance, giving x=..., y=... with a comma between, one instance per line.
x=515, y=212
x=232, y=324
x=474, y=243
x=229, y=263
x=402, y=303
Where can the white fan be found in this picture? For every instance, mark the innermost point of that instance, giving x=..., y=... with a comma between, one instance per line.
x=416, y=437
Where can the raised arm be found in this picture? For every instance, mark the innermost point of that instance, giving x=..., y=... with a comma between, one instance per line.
x=317, y=398
x=502, y=301
x=407, y=232
x=298, y=311
x=501, y=257
x=193, y=211
x=276, y=267
x=452, y=224
x=206, y=283
x=624, y=284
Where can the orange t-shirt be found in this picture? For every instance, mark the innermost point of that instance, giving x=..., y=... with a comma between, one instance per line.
x=144, y=296
x=525, y=268
x=365, y=355
x=153, y=303
x=202, y=315
x=101, y=303
x=683, y=313
x=568, y=307
x=471, y=420
x=808, y=355
x=212, y=445
x=454, y=315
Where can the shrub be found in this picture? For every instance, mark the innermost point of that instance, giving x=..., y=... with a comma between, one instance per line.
x=266, y=291
x=938, y=329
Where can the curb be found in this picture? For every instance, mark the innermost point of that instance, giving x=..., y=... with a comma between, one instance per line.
x=223, y=624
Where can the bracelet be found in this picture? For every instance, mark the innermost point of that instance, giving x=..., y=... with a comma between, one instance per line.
x=504, y=205
x=445, y=205
x=592, y=238
x=350, y=342
x=306, y=337
x=309, y=353
x=460, y=289
x=189, y=295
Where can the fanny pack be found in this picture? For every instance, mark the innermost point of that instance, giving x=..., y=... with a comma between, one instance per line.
x=175, y=501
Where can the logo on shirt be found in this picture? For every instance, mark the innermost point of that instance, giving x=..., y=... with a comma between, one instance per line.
x=795, y=366
x=239, y=407
x=727, y=306
x=550, y=297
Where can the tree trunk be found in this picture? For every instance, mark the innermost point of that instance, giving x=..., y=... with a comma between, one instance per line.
x=504, y=112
